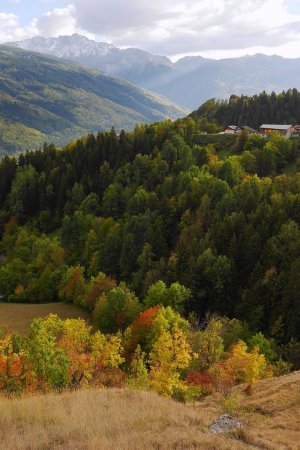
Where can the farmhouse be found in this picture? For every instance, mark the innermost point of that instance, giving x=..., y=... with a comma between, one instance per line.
x=232, y=129
x=248, y=130
x=296, y=132
x=282, y=129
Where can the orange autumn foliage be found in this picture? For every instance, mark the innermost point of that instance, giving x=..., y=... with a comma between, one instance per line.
x=19, y=290
x=194, y=377
x=15, y=372
x=98, y=286
x=140, y=329
x=72, y=283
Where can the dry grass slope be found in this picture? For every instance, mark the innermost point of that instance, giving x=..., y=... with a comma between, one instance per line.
x=18, y=317
x=130, y=420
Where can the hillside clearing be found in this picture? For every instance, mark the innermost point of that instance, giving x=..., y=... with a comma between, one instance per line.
x=17, y=317
x=131, y=420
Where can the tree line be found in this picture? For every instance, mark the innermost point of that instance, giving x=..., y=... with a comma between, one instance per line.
x=283, y=108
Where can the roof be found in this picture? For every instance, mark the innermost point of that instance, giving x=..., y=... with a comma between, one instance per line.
x=245, y=127
x=232, y=127
x=275, y=127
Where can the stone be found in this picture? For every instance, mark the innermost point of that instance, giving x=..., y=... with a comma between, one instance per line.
x=224, y=424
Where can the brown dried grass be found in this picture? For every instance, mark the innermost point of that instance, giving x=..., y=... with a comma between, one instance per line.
x=17, y=317
x=132, y=420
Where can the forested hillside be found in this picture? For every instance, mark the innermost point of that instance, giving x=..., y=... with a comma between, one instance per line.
x=153, y=205
x=253, y=111
x=46, y=99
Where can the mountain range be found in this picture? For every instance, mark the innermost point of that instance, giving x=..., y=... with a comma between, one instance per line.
x=135, y=65
x=44, y=98
x=188, y=82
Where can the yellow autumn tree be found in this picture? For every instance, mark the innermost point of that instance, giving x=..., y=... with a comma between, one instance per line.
x=170, y=355
x=87, y=353
x=247, y=367
x=138, y=373
x=241, y=366
x=107, y=350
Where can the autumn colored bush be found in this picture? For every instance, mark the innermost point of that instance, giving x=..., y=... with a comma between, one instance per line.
x=110, y=378
x=16, y=374
x=197, y=378
x=72, y=286
x=138, y=331
x=240, y=366
x=59, y=354
x=97, y=287
x=116, y=309
x=138, y=373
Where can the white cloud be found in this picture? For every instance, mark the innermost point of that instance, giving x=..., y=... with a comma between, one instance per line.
x=172, y=27
x=11, y=30
x=181, y=26
x=59, y=21
x=56, y=22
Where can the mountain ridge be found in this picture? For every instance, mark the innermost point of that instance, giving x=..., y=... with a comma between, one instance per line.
x=190, y=81
x=241, y=76
x=58, y=101
x=133, y=64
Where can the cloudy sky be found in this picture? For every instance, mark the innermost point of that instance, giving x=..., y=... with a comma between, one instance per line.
x=214, y=28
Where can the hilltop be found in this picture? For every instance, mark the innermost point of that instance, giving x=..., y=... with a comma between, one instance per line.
x=242, y=110
x=44, y=98
x=143, y=420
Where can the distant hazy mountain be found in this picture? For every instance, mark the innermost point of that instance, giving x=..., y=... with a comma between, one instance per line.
x=189, y=82
x=43, y=98
x=140, y=67
x=132, y=64
x=220, y=79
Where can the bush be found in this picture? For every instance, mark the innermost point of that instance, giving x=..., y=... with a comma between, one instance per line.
x=186, y=394
x=200, y=380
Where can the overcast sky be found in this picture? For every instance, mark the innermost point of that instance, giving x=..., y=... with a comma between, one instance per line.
x=214, y=28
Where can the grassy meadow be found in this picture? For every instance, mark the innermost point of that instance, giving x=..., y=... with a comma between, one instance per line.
x=136, y=420
x=17, y=317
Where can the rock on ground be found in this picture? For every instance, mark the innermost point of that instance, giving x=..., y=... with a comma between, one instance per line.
x=224, y=424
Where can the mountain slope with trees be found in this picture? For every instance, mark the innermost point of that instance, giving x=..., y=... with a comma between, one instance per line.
x=47, y=99
x=253, y=111
x=156, y=206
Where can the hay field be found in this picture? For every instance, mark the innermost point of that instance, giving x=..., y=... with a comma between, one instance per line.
x=18, y=317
